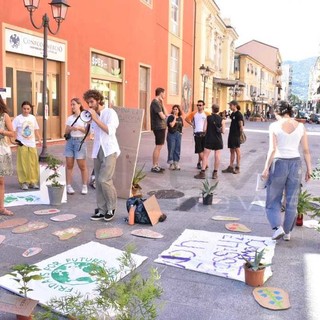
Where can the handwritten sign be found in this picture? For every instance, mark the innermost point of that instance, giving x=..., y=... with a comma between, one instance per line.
x=215, y=253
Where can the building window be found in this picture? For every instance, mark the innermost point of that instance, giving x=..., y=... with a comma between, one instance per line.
x=175, y=12
x=174, y=70
x=147, y=2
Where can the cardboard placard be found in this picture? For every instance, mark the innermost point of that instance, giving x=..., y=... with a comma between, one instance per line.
x=16, y=305
x=272, y=298
x=153, y=209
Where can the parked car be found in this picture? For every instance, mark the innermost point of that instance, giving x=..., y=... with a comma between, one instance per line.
x=314, y=117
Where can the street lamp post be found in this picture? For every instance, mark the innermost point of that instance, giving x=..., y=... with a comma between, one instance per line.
x=205, y=73
x=59, y=12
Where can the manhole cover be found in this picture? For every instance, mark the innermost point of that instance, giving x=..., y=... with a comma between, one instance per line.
x=166, y=194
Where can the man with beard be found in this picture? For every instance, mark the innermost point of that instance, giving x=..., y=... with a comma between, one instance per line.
x=105, y=151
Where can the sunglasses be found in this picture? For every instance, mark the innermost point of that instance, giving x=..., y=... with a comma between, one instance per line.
x=199, y=105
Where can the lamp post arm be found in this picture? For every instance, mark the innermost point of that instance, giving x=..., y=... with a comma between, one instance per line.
x=33, y=23
x=57, y=30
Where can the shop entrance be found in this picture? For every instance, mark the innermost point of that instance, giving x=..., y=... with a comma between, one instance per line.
x=24, y=78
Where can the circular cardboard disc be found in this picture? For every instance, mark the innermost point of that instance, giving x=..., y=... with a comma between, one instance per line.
x=46, y=211
x=31, y=252
x=2, y=237
x=237, y=227
x=224, y=218
x=108, y=233
x=67, y=233
x=63, y=217
x=30, y=226
x=272, y=298
x=146, y=233
x=11, y=223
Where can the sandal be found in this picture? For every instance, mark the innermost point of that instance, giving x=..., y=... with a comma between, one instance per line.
x=6, y=212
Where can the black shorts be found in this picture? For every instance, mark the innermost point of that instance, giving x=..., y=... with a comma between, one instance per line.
x=233, y=141
x=160, y=136
x=199, y=140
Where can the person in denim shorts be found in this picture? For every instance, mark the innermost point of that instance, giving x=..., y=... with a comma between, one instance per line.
x=75, y=132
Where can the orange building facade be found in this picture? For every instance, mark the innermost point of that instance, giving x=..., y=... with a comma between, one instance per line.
x=123, y=48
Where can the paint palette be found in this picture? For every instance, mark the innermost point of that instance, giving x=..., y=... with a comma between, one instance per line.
x=67, y=233
x=46, y=211
x=11, y=223
x=108, y=233
x=31, y=252
x=237, y=227
x=63, y=217
x=146, y=233
x=30, y=226
x=272, y=298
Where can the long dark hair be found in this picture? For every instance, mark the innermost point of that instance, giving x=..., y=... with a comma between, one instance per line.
x=27, y=103
x=179, y=110
x=3, y=106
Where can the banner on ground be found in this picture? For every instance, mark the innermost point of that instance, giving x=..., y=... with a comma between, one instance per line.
x=219, y=254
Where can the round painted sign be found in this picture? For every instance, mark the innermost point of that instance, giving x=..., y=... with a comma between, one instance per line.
x=11, y=223
x=225, y=218
x=30, y=226
x=237, y=227
x=63, y=217
x=31, y=252
x=108, y=233
x=272, y=298
x=146, y=233
x=67, y=233
x=46, y=211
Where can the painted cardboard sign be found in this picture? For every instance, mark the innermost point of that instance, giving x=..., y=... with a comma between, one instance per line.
x=17, y=305
x=108, y=233
x=46, y=211
x=153, y=209
x=11, y=223
x=63, y=217
x=2, y=238
x=272, y=298
x=31, y=252
x=30, y=226
x=237, y=227
x=224, y=218
x=146, y=233
x=128, y=135
x=67, y=233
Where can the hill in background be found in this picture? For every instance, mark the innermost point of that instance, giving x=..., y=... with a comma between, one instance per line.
x=300, y=76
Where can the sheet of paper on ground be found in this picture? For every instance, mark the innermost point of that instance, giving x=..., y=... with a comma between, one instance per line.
x=68, y=272
x=216, y=253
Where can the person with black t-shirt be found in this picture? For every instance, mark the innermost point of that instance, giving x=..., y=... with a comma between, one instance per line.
x=235, y=131
x=175, y=124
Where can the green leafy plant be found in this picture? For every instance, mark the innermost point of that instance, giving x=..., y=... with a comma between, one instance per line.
x=308, y=203
x=23, y=274
x=255, y=263
x=130, y=299
x=207, y=188
x=315, y=175
x=53, y=164
x=138, y=176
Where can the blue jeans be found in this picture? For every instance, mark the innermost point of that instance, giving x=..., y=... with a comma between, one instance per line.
x=284, y=176
x=174, y=146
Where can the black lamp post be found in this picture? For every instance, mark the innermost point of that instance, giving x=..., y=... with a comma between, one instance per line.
x=59, y=12
x=205, y=73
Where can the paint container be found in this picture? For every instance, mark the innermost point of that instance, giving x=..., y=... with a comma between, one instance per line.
x=131, y=216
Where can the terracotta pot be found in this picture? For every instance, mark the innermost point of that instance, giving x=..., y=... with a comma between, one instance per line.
x=207, y=200
x=24, y=317
x=299, y=220
x=253, y=278
x=136, y=191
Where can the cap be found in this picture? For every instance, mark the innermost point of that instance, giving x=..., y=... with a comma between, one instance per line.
x=234, y=102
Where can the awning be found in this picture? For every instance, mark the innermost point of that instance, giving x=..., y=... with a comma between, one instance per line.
x=229, y=82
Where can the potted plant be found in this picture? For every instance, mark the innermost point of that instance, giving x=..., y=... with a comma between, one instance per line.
x=55, y=188
x=138, y=176
x=307, y=203
x=254, y=269
x=207, y=192
x=23, y=274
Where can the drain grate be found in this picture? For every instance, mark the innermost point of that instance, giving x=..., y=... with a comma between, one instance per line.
x=166, y=194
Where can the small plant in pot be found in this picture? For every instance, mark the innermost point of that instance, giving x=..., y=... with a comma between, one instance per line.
x=138, y=176
x=307, y=203
x=207, y=192
x=55, y=188
x=23, y=274
x=254, y=269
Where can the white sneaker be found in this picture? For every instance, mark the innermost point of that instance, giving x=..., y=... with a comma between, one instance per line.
x=278, y=233
x=70, y=189
x=84, y=189
x=287, y=236
x=172, y=167
x=24, y=186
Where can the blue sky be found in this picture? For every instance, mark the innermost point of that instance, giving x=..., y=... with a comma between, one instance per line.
x=293, y=26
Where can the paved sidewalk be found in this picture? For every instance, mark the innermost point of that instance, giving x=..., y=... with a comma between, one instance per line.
x=187, y=294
